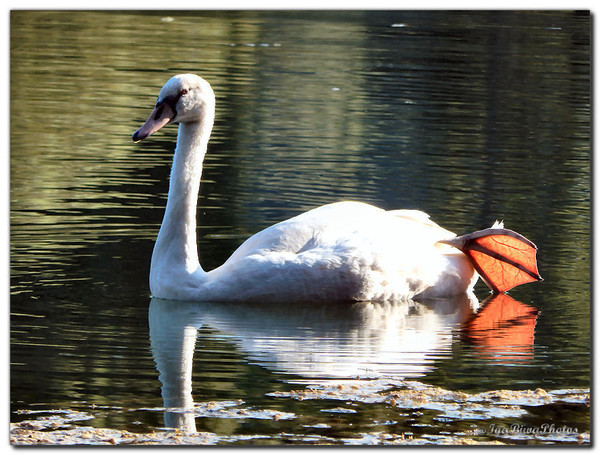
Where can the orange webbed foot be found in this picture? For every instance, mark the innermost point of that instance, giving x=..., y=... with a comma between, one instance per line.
x=502, y=258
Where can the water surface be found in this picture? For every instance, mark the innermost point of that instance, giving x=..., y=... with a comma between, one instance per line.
x=470, y=116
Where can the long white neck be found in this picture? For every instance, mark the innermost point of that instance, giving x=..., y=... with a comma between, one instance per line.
x=176, y=251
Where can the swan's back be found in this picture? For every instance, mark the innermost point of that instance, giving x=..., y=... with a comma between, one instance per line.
x=349, y=222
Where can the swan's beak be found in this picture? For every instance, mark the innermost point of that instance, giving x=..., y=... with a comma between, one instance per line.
x=160, y=116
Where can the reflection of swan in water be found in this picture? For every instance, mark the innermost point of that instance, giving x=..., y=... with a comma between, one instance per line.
x=401, y=339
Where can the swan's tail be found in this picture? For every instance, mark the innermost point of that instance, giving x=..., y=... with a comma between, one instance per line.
x=502, y=258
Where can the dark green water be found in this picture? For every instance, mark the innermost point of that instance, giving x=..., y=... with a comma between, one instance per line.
x=470, y=116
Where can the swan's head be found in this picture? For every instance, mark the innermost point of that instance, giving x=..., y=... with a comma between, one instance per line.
x=185, y=98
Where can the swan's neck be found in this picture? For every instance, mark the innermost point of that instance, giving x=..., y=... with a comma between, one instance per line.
x=176, y=251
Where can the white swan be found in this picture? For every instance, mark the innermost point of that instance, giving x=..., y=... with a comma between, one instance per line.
x=342, y=251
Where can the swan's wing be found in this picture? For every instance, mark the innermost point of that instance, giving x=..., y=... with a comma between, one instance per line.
x=346, y=248
x=422, y=220
x=328, y=225
x=321, y=226
x=415, y=215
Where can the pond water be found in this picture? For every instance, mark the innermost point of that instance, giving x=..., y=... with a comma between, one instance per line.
x=469, y=116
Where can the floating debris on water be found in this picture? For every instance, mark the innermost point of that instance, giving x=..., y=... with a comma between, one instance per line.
x=227, y=410
x=450, y=404
x=401, y=439
x=106, y=436
x=52, y=419
x=340, y=411
x=255, y=44
x=317, y=425
x=494, y=407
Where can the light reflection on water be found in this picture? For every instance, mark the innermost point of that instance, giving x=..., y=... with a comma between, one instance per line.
x=338, y=341
x=471, y=118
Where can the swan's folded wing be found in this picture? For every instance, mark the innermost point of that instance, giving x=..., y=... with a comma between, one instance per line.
x=322, y=226
x=435, y=231
x=414, y=215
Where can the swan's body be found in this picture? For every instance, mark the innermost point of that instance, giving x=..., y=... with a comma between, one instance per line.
x=341, y=251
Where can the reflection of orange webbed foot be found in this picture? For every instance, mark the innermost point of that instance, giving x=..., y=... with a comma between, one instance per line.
x=503, y=327
x=503, y=258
